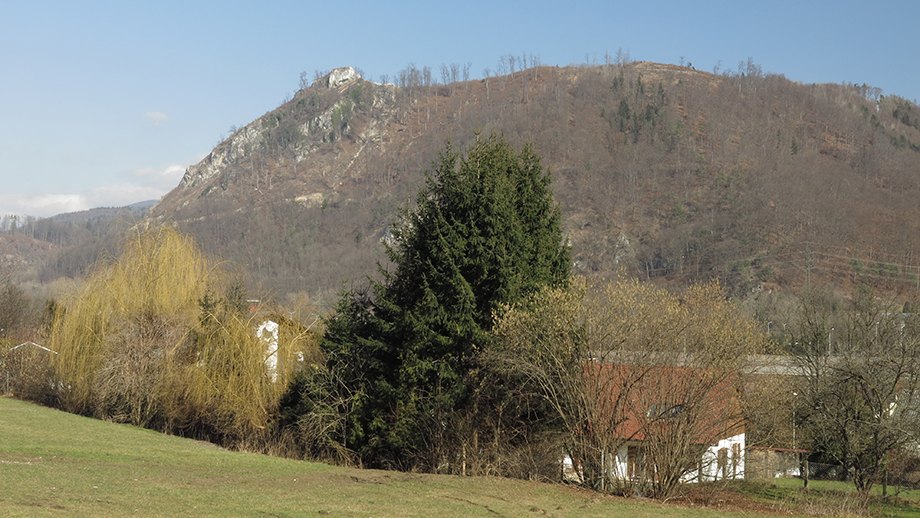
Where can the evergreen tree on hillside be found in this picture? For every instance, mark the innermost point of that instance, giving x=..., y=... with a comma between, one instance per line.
x=485, y=232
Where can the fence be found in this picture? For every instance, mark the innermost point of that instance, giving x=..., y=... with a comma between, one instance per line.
x=764, y=462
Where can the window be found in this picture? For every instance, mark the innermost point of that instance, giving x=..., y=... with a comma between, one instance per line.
x=635, y=457
x=664, y=411
x=736, y=459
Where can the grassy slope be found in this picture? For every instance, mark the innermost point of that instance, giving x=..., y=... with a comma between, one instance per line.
x=833, y=498
x=57, y=464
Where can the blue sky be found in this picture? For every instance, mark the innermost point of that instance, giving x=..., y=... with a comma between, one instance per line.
x=107, y=103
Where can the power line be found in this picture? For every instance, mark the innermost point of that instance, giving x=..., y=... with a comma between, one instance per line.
x=825, y=261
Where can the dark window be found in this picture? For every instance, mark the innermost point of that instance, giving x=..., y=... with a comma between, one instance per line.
x=664, y=411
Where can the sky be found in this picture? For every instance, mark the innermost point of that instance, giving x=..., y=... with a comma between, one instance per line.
x=105, y=104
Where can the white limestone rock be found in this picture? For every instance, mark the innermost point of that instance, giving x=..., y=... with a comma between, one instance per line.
x=338, y=77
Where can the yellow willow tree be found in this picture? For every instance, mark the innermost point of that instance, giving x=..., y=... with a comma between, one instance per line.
x=160, y=337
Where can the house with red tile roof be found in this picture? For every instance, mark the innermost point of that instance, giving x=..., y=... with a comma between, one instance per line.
x=668, y=419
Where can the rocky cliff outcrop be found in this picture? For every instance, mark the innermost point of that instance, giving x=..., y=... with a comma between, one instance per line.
x=338, y=77
x=251, y=137
x=231, y=151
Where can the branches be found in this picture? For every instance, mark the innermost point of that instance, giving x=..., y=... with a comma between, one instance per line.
x=624, y=363
x=861, y=392
x=147, y=342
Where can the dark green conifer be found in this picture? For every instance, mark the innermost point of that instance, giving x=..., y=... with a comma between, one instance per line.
x=485, y=232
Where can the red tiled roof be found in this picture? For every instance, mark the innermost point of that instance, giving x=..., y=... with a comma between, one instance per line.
x=634, y=397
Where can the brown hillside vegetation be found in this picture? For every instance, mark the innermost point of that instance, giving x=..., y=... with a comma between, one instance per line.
x=672, y=173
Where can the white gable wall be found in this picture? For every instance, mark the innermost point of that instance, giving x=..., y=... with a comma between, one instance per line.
x=268, y=333
x=733, y=461
x=710, y=468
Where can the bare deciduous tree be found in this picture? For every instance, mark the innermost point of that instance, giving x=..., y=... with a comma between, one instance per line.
x=628, y=364
x=861, y=395
x=14, y=307
x=133, y=376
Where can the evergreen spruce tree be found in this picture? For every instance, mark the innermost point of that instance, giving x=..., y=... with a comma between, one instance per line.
x=485, y=232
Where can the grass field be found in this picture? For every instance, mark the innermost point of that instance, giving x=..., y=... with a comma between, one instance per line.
x=832, y=498
x=58, y=464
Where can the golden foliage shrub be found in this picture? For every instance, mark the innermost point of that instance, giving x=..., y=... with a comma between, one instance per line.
x=146, y=341
x=626, y=363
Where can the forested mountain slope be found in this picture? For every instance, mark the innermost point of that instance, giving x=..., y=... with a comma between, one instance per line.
x=669, y=172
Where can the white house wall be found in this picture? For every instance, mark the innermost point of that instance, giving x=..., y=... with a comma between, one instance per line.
x=268, y=333
x=709, y=469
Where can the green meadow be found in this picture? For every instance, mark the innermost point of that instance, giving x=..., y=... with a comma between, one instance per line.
x=57, y=464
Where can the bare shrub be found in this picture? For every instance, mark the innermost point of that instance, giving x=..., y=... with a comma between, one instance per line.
x=859, y=389
x=26, y=372
x=130, y=382
x=316, y=410
x=629, y=364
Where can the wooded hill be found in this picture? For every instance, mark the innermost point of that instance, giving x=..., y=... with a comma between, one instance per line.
x=671, y=173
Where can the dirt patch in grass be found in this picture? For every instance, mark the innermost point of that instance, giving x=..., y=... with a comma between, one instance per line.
x=728, y=498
